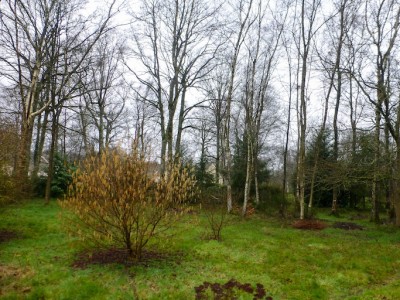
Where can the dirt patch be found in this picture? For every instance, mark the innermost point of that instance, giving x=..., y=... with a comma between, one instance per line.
x=347, y=226
x=7, y=235
x=230, y=290
x=121, y=256
x=310, y=224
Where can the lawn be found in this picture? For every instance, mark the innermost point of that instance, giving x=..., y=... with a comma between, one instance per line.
x=289, y=263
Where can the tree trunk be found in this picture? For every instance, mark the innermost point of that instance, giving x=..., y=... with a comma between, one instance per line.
x=40, y=139
x=23, y=158
x=228, y=176
x=302, y=138
x=248, y=175
x=374, y=192
x=53, y=150
x=178, y=150
x=396, y=184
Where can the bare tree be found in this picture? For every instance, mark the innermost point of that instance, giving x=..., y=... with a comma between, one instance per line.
x=175, y=50
x=243, y=25
x=308, y=14
x=332, y=65
x=103, y=90
x=259, y=72
x=215, y=91
x=38, y=39
x=382, y=26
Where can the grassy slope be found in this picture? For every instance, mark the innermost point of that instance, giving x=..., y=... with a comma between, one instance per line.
x=291, y=264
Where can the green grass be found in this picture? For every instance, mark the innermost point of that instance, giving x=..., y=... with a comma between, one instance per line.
x=290, y=263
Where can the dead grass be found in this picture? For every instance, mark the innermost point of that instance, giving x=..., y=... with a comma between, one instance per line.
x=10, y=279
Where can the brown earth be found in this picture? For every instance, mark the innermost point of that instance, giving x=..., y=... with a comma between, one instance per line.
x=7, y=235
x=121, y=256
x=312, y=224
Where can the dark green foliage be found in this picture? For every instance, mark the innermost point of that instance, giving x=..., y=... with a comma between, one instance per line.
x=39, y=186
x=360, y=166
x=321, y=148
x=62, y=177
x=351, y=174
x=271, y=198
x=239, y=165
x=239, y=169
x=203, y=178
x=230, y=290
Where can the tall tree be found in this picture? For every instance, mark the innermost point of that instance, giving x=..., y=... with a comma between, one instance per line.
x=103, y=90
x=308, y=14
x=175, y=49
x=382, y=26
x=243, y=25
x=259, y=70
x=331, y=64
x=30, y=32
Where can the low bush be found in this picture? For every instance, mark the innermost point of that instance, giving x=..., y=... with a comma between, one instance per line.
x=116, y=200
x=214, y=207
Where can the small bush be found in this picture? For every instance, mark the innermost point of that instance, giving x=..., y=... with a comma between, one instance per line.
x=213, y=204
x=62, y=178
x=115, y=200
x=230, y=290
x=39, y=185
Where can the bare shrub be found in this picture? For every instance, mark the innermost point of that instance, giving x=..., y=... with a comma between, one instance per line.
x=215, y=210
x=117, y=199
x=216, y=217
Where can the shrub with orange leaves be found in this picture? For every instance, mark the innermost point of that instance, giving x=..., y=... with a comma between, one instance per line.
x=117, y=200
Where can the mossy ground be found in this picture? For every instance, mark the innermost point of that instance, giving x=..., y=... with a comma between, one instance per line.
x=290, y=263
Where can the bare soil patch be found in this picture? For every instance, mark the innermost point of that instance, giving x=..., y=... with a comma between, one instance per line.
x=7, y=235
x=312, y=224
x=121, y=256
x=347, y=226
x=230, y=290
